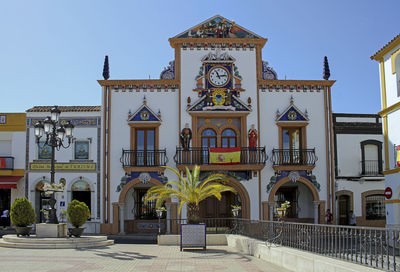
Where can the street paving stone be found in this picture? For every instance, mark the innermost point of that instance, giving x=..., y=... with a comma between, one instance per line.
x=131, y=257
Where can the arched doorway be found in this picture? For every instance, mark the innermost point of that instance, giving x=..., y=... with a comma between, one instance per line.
x=212, y=208
x=134, y=216
x=303, y=198
x=41, y=200
x=81, y=191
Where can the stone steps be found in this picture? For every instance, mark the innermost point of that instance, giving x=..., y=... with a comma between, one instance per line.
x=32, y=242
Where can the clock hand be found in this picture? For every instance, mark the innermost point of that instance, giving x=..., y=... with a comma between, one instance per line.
x=223, y=75
x=217, y=74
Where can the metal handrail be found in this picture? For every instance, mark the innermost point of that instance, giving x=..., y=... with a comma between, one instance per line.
x=201, y=155
x=371, y=168
x=139, y=158
x=293, y=157
x=369, y=246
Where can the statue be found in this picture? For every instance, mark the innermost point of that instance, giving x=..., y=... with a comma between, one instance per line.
x=252, y=137
x=186, y=136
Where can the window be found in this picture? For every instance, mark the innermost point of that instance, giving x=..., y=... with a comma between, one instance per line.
x=375, y=207
x=81, y=192
x=371, y=158
x=44, y=151
x=145, y=146
x=228, y=138
x=208, y=138
x=291, y=138
x=81, y=150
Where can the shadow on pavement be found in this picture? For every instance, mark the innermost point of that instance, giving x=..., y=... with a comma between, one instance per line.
x=122, y=255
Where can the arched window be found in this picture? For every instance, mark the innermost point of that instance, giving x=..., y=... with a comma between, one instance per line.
x=228, y=138
x=208, y=138
x=81, y=192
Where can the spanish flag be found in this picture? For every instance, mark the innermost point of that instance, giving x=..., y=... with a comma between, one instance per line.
x=225, y=156
x=398, y=155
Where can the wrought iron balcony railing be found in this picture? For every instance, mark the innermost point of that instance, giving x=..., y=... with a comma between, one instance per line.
x=201, y=155
x=139, y=158
x=371, y=168
x=6, y=163
x=304, y=157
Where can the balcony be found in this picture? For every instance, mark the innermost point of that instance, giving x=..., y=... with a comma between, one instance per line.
x=293, y=159
x=144, y=160
x=250, y=159
x=6, y=163
x=371, y=168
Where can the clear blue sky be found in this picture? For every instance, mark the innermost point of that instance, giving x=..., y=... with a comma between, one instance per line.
x=52, y=52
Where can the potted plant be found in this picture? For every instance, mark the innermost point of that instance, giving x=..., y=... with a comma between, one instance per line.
x=78, y=213
x=190, y=190
x=45, y=215
x=235, y=210
x=22, y=215
x=282, y=210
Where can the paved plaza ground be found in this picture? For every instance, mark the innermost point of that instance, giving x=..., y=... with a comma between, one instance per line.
x=131, y=257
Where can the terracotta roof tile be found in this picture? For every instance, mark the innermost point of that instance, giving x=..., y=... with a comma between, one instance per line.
x=386, y=46
x=65, y=108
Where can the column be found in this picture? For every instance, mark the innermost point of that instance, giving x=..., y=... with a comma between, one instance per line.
x=168, y=206
x=121, y=219
x=271, y=211
x=316, y=211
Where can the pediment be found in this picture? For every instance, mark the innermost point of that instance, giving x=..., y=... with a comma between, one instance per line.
x=144, y=114
x=219, y=102
x=218, y=27
x=292, y=114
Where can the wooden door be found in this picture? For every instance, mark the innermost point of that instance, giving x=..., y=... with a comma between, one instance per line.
x=344, y=209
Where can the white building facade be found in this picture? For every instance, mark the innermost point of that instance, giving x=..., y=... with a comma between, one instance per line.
x=359, y=166
x=389, y=70
x=77, y=166
x=218, y=105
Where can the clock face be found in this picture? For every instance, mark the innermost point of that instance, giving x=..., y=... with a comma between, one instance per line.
x=218, y=76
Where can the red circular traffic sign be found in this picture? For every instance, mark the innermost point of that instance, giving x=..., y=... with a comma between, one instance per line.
x=388, y=193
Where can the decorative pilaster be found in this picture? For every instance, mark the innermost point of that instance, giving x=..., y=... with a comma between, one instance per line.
x=121, y=219
x=316, y=211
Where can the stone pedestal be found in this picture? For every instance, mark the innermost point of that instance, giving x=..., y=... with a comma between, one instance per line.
x=51, y=230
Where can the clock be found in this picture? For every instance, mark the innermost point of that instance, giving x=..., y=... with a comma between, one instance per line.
x=218, y=76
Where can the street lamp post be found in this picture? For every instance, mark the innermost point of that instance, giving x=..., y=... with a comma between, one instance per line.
x=55, y=133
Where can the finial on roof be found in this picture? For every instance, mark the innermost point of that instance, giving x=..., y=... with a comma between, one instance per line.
x=144, y=100
x=291, y=100
x=106, y=69
x=327, y=72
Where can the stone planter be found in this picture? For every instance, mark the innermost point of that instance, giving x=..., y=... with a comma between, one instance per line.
x=77, y=232
x=193, y=235
x=23, y=231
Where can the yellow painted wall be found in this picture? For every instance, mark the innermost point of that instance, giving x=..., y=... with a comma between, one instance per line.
x=14, y=122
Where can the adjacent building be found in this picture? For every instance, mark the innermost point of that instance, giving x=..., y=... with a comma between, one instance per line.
x=389, y=69
x=359, y=159
x=12, y=158
x=221, y=106
x=77, y=167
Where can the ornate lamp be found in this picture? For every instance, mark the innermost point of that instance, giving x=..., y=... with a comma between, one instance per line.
x=55, y=134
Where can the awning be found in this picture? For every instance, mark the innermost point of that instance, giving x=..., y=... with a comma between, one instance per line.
x=9, y=182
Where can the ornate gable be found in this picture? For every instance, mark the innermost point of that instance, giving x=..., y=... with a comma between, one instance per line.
x=292, y=113
x=144, y=114
x=217, y=27
x=219, y=100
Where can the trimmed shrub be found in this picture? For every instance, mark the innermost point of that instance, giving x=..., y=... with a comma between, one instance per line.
x=78, y=213
x=22, y=213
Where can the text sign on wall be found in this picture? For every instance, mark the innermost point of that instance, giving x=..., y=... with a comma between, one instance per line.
x=388, y=193
x=64, y=166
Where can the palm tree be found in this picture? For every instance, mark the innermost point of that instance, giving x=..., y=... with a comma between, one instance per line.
x=190, y=190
